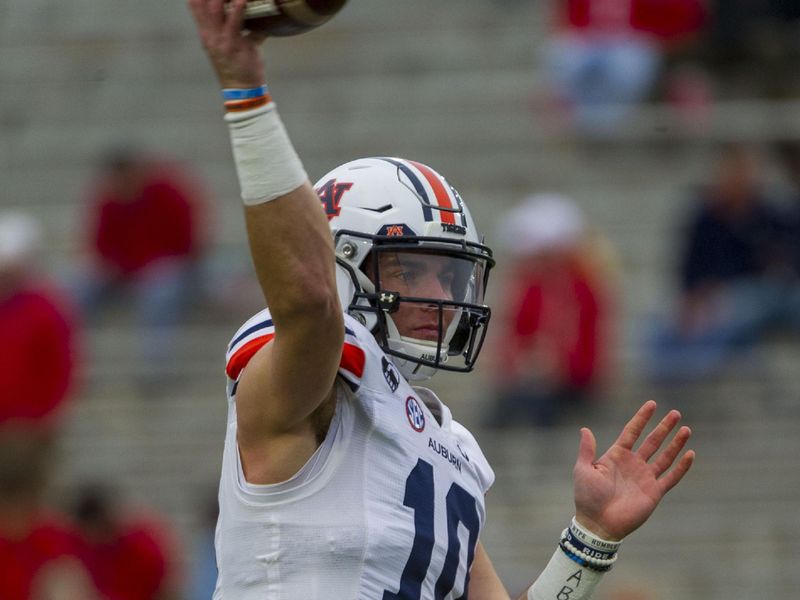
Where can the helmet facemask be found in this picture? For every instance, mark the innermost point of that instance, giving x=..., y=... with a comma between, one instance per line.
x=421, y=296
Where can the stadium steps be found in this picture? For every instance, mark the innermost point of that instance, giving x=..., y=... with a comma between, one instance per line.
x=454, y=84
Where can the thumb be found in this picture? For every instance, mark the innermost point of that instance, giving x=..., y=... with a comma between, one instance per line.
x=587, y=448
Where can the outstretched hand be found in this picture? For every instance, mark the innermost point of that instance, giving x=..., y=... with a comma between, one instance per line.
x=235, y=55
x=617, y=493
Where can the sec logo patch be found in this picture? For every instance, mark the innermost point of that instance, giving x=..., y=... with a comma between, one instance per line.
x=416, y=418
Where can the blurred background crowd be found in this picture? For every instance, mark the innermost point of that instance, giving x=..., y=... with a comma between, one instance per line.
x=635, y=164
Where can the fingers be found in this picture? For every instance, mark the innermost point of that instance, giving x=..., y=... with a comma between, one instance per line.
x=211, y=15
x=202, y=11
x=656, y=437
x=634, y=428
x=671, y=479
x=587, y=450
x=235, y=18
x=667, y=457
x=216, y=10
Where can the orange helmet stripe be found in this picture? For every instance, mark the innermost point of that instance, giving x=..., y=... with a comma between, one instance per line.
x=442, y=197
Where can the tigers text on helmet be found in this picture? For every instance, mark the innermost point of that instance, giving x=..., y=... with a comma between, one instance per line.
x=410, y=264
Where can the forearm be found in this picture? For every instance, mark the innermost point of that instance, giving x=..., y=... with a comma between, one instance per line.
x=576, y=567
x=292, y=252
x=289, y=238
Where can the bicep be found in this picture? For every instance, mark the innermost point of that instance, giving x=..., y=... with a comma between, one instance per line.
x=286, y=380
x=484, y=582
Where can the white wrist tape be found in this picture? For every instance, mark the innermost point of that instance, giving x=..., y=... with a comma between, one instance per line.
x=564, y=579
x=266, y=162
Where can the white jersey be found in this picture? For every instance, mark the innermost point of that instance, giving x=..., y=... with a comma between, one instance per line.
x=388, y=508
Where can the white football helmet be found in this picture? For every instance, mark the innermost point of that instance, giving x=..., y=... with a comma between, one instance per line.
x=410, y=264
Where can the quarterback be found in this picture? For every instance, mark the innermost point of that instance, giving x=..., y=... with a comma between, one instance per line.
x=341, y=480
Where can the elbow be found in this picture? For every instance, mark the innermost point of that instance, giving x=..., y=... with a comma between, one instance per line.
x=317, y=306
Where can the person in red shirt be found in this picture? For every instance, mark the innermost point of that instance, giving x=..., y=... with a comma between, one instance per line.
x=37, y=364
x=39, y=560
x=605, y=56
x=145, y=245
x=39, y=549
x=36, y=333
x=554, y=336
x=129, y=557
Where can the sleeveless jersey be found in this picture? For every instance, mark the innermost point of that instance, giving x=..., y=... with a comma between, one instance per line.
x=388, y=508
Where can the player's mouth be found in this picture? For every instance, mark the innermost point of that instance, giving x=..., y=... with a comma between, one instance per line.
x=429, y=333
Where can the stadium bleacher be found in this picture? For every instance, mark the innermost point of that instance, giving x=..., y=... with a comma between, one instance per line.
x=451, y=83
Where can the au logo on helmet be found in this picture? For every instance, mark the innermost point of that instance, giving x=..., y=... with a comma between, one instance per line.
x=396, y=230
x=331, y=193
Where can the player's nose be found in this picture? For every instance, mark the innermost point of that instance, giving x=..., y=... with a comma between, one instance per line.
x=432, y=287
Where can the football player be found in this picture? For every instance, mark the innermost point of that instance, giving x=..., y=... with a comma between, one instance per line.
x=340, y=480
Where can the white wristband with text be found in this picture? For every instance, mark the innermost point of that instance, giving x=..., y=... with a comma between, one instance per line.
x=266, y=162
x=563, y=579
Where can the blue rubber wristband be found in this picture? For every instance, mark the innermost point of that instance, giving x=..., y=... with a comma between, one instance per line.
x=244, y=94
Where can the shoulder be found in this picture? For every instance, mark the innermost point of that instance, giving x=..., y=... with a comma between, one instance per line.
x=54, y=535
x=248, y=339
x=149, y=534
x=42, y=302
x=358, y=347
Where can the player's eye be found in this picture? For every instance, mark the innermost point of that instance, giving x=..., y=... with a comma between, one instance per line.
x=404, y=275
x=410, y=275
x=447, y=281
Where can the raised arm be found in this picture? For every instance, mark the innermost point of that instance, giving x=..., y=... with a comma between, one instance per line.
x=290, y=242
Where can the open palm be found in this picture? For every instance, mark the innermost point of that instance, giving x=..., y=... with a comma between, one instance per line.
x=616, y=493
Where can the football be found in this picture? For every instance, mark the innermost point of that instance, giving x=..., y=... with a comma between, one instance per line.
x=289, y=17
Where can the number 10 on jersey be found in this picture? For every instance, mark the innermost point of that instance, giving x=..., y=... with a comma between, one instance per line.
x=461, y=508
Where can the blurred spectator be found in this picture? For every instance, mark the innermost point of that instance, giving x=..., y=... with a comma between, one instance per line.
x=554, y=336
x=129, y=556
x=605, y=55
x=39, y=552
x=146, y=247
x=735, y=274
x=36, y=330
x=789, y=158
x=204, y=570
x=753, y=46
